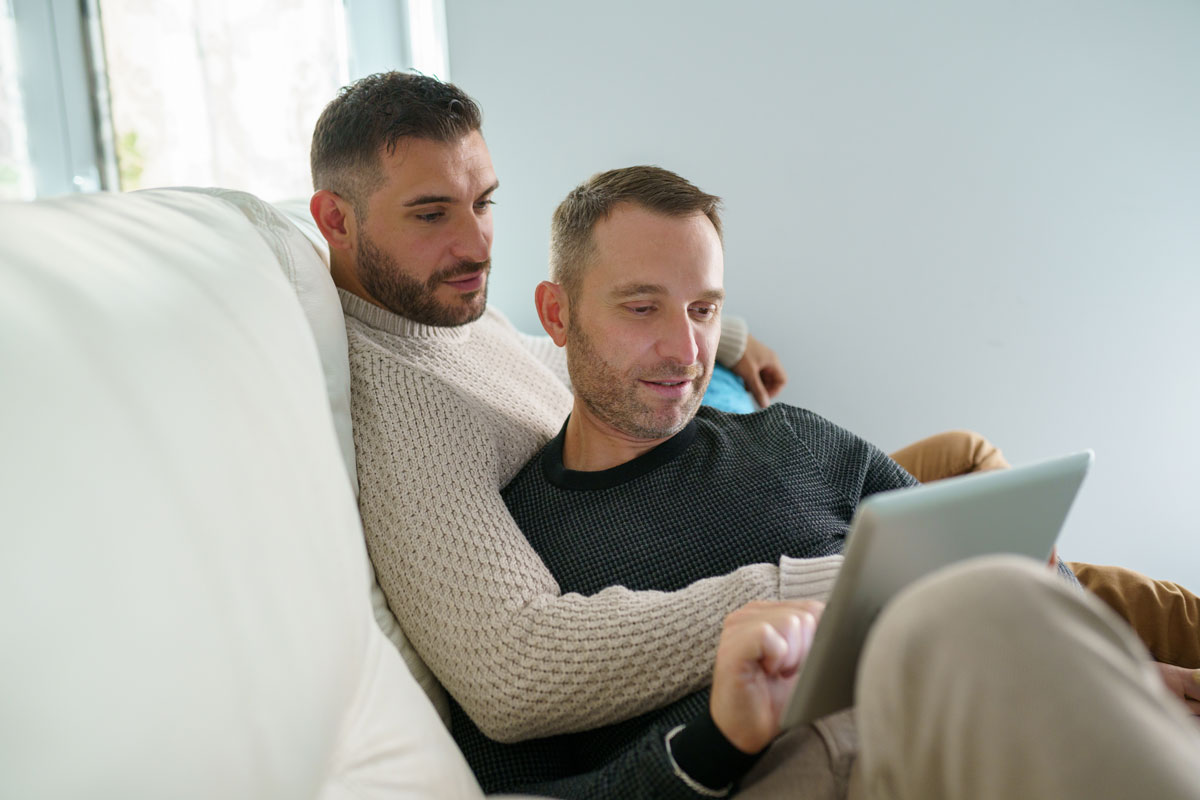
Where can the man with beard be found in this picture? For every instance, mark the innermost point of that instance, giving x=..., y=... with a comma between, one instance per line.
x=449, y=401
x=645, y=489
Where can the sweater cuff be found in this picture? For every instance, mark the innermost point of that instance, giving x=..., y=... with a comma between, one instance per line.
x=704, y=759
x=807, y=578
x=732, y=346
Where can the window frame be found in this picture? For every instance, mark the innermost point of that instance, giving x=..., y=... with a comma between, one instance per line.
x=63, y=96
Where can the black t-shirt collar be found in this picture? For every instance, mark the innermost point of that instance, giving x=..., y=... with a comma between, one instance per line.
x=560, y=476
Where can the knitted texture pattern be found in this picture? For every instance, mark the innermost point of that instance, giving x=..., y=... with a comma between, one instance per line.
x=445, y=417
x=730, y=489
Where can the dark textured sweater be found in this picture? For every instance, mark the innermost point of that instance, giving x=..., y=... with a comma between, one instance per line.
x=726, y=491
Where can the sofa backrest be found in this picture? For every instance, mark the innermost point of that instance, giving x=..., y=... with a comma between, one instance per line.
x=183, y=583
x=303, y=259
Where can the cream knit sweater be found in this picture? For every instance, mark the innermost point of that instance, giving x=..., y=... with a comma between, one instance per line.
x=443, y=419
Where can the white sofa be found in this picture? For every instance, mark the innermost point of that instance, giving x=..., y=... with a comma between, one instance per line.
x=183, y=582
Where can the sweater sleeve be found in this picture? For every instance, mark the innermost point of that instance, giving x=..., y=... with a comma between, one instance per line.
x=732, y=345
x=808, y=578
x=523, y=659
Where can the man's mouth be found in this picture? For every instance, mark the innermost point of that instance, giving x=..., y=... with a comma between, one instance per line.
x=467, y=283
x=670, y=388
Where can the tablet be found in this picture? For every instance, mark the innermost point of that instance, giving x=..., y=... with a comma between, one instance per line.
x=899, y=536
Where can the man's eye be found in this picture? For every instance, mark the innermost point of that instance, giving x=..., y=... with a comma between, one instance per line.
x=704, y=312
x=432, y=216
x=482, y=205
x=640, y=310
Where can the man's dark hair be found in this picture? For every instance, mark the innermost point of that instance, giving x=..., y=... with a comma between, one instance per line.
x=374, y=114
x=652, y=188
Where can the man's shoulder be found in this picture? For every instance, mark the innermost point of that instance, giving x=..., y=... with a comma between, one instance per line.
x=781, y=423
x=772, y=419
x=415, y=372
x=477, y=382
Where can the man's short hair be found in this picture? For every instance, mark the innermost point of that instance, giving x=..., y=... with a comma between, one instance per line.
x=375, y=113
x=653, y=188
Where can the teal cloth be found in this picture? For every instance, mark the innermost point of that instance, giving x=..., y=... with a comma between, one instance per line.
x=727, y=392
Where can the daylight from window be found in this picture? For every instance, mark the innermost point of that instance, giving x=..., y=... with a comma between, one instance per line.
x=16, y=173
x=427, y=37
x=220, y=92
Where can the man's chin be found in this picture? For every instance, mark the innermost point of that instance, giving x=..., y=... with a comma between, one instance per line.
x=463, y=308
x=666, y=424
x=475, y=309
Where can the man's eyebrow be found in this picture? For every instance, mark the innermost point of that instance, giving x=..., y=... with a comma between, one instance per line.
x=430, y=199
x=631, y=289
x=637, y=289
x=427, y=199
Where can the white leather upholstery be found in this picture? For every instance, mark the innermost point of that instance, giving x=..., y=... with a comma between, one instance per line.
x=303, y=256
x=306, y=267
x=183, y=604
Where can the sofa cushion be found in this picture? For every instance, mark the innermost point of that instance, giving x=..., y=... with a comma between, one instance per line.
x=303, y=257
x=305, y=264
x=182, y=570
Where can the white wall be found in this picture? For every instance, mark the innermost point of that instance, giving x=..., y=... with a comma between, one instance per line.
x=942, y=214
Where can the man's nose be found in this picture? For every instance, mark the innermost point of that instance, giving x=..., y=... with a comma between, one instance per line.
x=473, y=239
x=678, y=339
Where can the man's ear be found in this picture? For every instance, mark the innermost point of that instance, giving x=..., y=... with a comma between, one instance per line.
x=334, y=218
x=553, y=310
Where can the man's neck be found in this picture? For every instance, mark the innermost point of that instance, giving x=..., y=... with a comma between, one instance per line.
x=591, y=445
x=345, y=277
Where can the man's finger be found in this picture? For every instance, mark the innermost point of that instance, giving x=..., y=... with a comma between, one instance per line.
x=757, y=390
x=773, y=379
x=774, y=645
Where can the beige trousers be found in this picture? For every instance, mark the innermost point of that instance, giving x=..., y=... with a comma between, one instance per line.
x=992, y=680
x=1165, y=615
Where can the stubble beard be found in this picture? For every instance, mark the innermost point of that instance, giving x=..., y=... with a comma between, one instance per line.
x=386, y=281
x=613, y=397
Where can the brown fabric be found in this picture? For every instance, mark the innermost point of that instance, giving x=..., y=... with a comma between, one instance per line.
x=949, y=454
x=809, y=761
x=1165, y=616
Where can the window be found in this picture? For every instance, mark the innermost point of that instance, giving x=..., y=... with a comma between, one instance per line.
x=427, y=37
x=16, y=171
x=220, y=92
x=132, y=94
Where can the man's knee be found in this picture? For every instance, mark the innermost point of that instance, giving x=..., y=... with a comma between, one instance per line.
x=996, y=614
x=952, y=651
x=965, y=593
x=975, y=611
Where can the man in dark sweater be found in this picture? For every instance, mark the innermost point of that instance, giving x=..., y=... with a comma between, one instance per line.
x=642, y=488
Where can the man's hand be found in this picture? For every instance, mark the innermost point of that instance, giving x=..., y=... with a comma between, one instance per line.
x=763, y=645
x=760, y=370
x=1182, y=682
